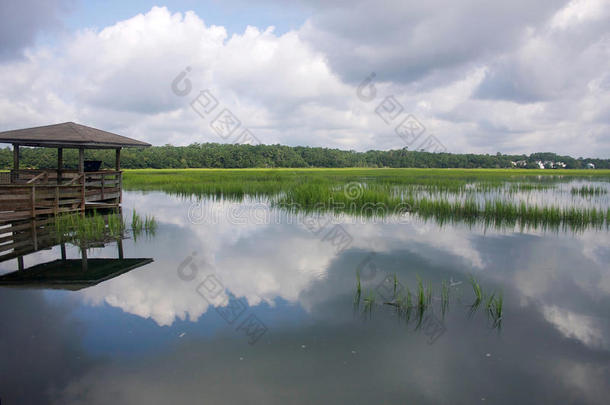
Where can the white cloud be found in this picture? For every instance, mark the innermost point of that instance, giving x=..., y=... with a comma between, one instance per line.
x=481, y=77
x=576, y=326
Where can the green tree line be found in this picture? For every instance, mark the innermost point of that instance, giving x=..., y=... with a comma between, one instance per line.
x=215, y=155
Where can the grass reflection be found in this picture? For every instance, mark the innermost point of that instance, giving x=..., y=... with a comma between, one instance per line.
x=418, y=306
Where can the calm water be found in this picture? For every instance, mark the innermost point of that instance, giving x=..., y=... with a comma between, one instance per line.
x=247, y=305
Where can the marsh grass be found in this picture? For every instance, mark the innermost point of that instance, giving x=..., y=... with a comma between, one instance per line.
x=139, y=225
x=404, y=302
x=421, y=295
x=478, y=294
x=358, y=290
x=444, y=297
x=587, y=191
x=476, y=287
x=497, y=309
x=468, y=196
x=395, y=283
x=369, y=302
x=94, y=227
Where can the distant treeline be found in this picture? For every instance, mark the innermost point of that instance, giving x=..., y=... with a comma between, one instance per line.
x=216, y=155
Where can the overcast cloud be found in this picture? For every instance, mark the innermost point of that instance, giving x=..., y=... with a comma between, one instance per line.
x=482, y=76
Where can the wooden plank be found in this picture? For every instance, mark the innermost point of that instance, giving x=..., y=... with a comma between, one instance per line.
x=4, y=248
x=21, y=225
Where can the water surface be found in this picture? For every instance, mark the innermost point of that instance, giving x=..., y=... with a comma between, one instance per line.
x=257, y=306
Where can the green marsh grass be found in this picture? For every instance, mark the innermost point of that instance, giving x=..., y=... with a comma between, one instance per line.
x=95, y=227
x=477, y=290
x=444, y=297
x=484, y=196
x=89, y=228
x=404, y=302
x=496, y=310
x=585, y=191
x=358, y=290
x=139, y=225
x=395, y=284
x=369, y=302
x=421, y=295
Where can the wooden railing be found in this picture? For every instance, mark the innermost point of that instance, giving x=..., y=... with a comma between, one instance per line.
x=5, y=178
x=38, y=192
x=25, y=175
x=23, y=237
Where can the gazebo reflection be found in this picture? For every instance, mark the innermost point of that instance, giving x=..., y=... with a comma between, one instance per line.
x=63, y=272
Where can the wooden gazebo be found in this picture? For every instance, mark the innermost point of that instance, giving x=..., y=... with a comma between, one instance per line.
x=30, y=193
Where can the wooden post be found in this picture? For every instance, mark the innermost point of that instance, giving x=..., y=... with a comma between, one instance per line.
x=119, y=244
x=60, y=163
x=83, y=196
x=119, y=176
x=81, y=160
x=83, y=252
x=63, y=251
x=117, y=160
x=15, y=163
x=81, y=171
x=20, y=262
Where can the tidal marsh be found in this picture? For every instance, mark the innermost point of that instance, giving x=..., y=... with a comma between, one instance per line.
x=497, y=198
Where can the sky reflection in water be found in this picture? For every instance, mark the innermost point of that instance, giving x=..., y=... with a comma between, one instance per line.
x=148, y=336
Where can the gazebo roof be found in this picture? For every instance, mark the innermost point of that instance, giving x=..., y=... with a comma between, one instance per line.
x=69, y=275
x=68, y=135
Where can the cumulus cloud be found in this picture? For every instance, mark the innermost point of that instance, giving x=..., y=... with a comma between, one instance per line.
x=576, y=326
x=407, y=40
x=482, y=77
x=250, y=259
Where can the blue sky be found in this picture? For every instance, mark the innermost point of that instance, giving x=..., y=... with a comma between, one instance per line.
x=235, y=16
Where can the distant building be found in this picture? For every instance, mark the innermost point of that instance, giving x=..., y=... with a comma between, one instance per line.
x=554, y=165
x=519, y=163
x=539, y=164
x=589, y=166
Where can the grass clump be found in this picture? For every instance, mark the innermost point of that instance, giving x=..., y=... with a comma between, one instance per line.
x=369, y=302
x=585, y=191
x=139, y=225
x=404, y=302
x=477, y=290
x=81, y=230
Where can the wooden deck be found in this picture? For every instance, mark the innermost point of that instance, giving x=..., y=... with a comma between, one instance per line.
x=33, y=194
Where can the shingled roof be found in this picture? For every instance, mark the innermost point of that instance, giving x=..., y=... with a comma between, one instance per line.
x=68, y=135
